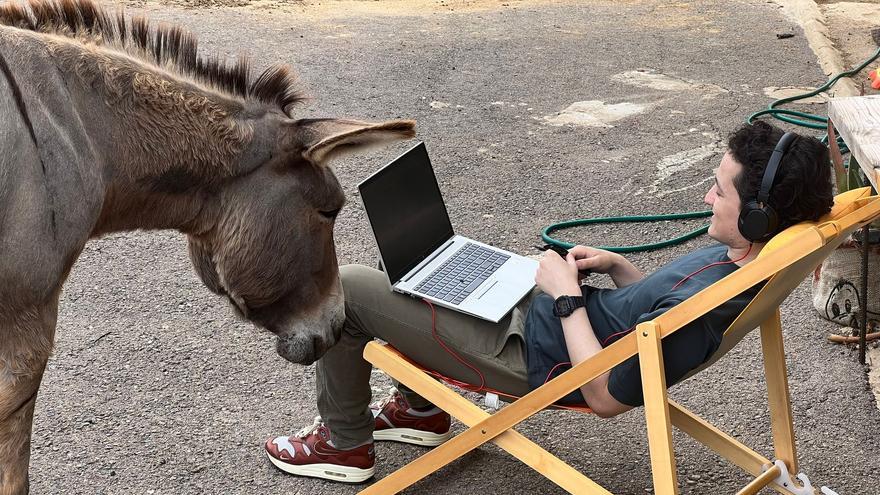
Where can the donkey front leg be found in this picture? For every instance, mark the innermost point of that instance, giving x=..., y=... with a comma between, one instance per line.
x=15, y=439
x=21, y=368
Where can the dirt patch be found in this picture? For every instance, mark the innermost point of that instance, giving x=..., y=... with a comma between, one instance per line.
x=685, y=15
x=333, y=8
x=850, y=25
x=649, y=78
x=594, y=113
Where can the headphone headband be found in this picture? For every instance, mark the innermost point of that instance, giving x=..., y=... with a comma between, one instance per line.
x=758, y=221
x=772, y=166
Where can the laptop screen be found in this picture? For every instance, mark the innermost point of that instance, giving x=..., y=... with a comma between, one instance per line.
x=406, y=211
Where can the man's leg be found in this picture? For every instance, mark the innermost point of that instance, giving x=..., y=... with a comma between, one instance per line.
x=373, y=311
x=341, y=447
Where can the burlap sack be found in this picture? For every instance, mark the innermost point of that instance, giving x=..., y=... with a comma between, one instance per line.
x=837, y=282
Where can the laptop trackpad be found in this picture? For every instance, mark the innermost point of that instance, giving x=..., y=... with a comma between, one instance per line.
x=483, y=291
x=495, y=293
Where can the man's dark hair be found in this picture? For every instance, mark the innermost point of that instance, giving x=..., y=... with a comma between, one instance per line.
x=802, y=189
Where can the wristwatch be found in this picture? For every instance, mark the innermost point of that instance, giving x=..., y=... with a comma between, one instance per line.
x=565, y=305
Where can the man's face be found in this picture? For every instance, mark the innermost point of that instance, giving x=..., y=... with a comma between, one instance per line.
x=725, y=203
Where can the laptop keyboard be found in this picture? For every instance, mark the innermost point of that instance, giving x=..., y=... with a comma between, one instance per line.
x=462, y=273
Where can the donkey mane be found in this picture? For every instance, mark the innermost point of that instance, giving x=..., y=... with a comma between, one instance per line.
x=164, y=45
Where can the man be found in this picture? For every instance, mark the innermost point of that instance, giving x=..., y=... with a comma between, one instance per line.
x=540, y=337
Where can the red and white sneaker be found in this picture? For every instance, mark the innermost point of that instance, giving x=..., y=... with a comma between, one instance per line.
x=397, y=421
x=309, y=453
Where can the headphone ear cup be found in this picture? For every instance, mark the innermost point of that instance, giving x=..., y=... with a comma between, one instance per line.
x=758, y=221
x=772, y=223
x=754, y=222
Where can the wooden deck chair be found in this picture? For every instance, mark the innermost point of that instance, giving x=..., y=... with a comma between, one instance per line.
x=784, y=263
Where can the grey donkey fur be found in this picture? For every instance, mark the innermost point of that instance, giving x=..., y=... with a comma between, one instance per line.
x=109, y=124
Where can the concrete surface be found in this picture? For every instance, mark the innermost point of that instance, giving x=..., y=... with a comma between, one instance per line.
x=155, y=388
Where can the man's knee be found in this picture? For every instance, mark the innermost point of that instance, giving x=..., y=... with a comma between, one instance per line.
x=358, y=278
x=364, y=287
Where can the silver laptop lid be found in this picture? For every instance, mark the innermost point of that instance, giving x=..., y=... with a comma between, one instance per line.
x=406, y=211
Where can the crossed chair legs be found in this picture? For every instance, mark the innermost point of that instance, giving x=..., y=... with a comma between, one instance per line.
x=660, y=413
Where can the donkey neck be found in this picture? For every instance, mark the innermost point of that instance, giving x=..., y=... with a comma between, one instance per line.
x=167, y=144
x=180, y=197
x=157, y=191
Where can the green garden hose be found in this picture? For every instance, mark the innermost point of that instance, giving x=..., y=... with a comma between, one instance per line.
x=803, y=119
x=545, y=234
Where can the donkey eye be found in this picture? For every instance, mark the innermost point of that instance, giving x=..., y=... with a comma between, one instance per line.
x=329, y=214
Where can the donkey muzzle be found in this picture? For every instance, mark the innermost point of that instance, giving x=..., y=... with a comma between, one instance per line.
x=309, y=336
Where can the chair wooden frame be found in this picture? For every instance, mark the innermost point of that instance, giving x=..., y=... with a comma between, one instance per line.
x=783, y=264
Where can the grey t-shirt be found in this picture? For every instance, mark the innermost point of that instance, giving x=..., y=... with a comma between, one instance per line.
x=617, y=311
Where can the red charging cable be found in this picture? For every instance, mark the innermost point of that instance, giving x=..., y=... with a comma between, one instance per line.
x=717, y=263
x=467, y=386
x=453, y=353
x=482, y=387
x=677, y=285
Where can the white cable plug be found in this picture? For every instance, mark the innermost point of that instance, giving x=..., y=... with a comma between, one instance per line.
x=492, y=401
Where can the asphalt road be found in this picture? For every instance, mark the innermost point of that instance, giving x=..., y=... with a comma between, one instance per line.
x=156, y=388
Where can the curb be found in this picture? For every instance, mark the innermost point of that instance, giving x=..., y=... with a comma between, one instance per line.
x=806, y=14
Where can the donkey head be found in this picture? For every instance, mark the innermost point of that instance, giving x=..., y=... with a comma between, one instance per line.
x=271, y=251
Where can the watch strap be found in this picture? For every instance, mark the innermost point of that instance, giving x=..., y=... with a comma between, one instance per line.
x=566, y=305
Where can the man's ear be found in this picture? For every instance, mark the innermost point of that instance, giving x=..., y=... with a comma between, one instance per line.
x=323, y=139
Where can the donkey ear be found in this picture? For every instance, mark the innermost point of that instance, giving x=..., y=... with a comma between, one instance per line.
x=323, y=139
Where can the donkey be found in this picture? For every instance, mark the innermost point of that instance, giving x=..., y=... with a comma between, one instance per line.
x=110, y=124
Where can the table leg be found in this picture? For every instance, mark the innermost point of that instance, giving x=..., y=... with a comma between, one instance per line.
x=863, y=324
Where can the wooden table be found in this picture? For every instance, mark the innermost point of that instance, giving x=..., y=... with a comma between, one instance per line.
x=857, y=121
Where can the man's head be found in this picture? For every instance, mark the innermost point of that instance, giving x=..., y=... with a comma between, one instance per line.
x=801, y=190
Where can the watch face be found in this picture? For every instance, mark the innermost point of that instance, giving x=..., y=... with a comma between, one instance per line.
x=566, y=306
x=563, y=306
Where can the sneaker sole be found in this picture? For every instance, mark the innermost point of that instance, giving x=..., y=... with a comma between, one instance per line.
x=415, y=437
x=334, y=472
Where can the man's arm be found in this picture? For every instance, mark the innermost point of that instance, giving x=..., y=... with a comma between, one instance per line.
x=582, y=344
x=558, y=277
x=622, y=272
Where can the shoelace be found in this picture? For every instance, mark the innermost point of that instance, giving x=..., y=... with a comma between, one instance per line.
x=308, y=430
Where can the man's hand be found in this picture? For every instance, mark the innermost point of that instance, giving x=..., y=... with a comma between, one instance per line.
x=600, y=261
x=595, y=260
x=557, y=276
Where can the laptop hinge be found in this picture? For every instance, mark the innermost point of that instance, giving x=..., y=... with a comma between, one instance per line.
x=424, y=263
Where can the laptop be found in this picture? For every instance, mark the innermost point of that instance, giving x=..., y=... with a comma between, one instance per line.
x=424, y=258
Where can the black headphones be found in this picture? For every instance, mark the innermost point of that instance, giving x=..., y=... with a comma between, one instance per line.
x=758, y=221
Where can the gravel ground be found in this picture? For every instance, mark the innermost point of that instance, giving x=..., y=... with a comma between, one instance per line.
x=155, y=388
